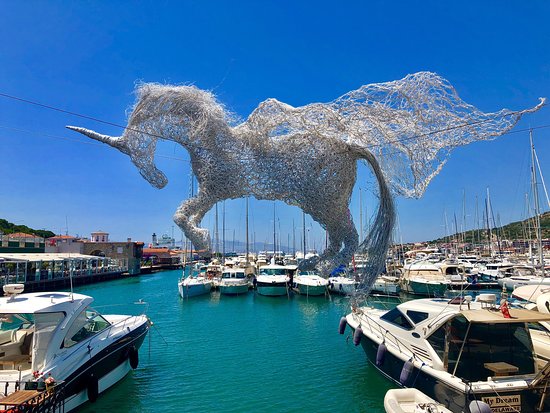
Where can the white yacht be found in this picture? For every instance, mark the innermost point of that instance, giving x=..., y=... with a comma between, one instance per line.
x=455, y=273
x=309, y=283
x=194, y=285
x=342, y=282
x=386, y=285
x=495, y=270
x=424, y=278
x=273, y=280
x=57, y=336
x=457, y=351
x=233, y=282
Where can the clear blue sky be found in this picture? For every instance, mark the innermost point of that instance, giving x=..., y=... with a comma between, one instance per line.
x=85, y=57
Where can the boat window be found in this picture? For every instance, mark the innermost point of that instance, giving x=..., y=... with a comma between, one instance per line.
x=14, y=328
x=488, y=343
x=437, y=341
x=226, y=275
x=86, y=324
x=417, y=316
x=396, y=317
x=241, y=275
x=15, y=321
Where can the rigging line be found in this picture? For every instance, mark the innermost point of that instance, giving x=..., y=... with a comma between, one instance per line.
x=68, y=112
x=47, y=135
x=50, y=107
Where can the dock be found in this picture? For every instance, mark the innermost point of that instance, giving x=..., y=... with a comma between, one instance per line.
x=50, y=271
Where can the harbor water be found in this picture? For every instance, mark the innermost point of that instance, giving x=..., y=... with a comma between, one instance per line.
x=246, y=353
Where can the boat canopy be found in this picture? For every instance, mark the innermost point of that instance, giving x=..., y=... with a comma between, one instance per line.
x=494, y=316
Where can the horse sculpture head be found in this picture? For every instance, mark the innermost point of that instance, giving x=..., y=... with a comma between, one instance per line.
x=139, y=146
x=185, y=114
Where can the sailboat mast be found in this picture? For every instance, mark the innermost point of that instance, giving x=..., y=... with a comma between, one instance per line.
x=304, y=229
x=536, y=202
x=246, y=264
x=274, y=236
x=223, y=233
x=489, y=235
x=361, y=214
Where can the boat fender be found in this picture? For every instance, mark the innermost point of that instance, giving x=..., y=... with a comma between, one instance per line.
x=357, y=336
x=381, y=354
x=92, y=388
x=342, y=325
x=477, y=406
x=406, y=373
x=133, y=357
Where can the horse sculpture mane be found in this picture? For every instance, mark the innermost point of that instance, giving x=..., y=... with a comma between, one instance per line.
x=307, y=156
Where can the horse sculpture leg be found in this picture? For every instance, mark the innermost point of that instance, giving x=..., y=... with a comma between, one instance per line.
x=188, y=217
x=341, y=231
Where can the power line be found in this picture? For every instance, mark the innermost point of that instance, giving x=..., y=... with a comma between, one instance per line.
x=467, y=124
x=87, y=142
x=50, y=107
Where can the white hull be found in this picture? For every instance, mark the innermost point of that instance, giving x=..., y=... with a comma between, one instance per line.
x=233, y=289
x=110, y=379
x=192, y=289
x=311, y=284
x=342, y=285
x=306, y=289
x=411, y=401
x=386, y=286
x=272, y=290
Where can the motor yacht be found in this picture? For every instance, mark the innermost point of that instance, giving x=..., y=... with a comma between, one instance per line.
x=58, y=336
x=342, y=282
x=233, y=282
x=386, y=285
x=457, y=351
x=194, y=285
x=424, y=278
x=273, y=280
x=309, y=283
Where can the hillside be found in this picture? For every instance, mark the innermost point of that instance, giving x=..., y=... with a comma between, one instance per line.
x=9, y=228
x=515, y=230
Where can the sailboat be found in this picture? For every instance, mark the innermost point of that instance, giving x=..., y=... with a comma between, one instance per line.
x=195, y=283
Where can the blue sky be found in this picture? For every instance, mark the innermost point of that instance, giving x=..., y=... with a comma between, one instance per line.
x=85, y=57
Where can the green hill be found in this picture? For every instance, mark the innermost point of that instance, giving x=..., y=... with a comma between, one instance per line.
x=9, y=228
x=513, y=231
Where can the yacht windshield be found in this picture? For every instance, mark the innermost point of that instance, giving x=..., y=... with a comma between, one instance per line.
x=273, y=271
x=86, y=324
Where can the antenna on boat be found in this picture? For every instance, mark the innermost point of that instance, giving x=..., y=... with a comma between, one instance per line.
x=536, y=202
x=71, y=277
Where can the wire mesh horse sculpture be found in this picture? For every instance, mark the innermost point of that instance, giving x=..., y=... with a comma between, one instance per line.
x=307, y=156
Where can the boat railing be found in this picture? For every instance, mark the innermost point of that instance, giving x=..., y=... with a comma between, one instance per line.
x=32, y=396
x=106, y=332
x=376, y=328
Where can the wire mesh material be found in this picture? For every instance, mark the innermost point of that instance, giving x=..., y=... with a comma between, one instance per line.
x=307, y=156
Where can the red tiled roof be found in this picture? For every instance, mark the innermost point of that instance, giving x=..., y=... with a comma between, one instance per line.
x=21, y=235
x=62, y=237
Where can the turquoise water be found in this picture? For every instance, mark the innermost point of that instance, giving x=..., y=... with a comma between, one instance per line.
x=237, y=354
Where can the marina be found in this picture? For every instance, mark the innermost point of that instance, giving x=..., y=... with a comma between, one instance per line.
x=204, y=342
x=275, y=207
x=266, y=347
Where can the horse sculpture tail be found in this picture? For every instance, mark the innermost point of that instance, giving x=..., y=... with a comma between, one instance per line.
x=375, y=245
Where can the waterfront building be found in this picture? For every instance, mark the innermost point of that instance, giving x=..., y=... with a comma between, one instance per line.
x=38, y=271
x=21, y=242
x=100, y=236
